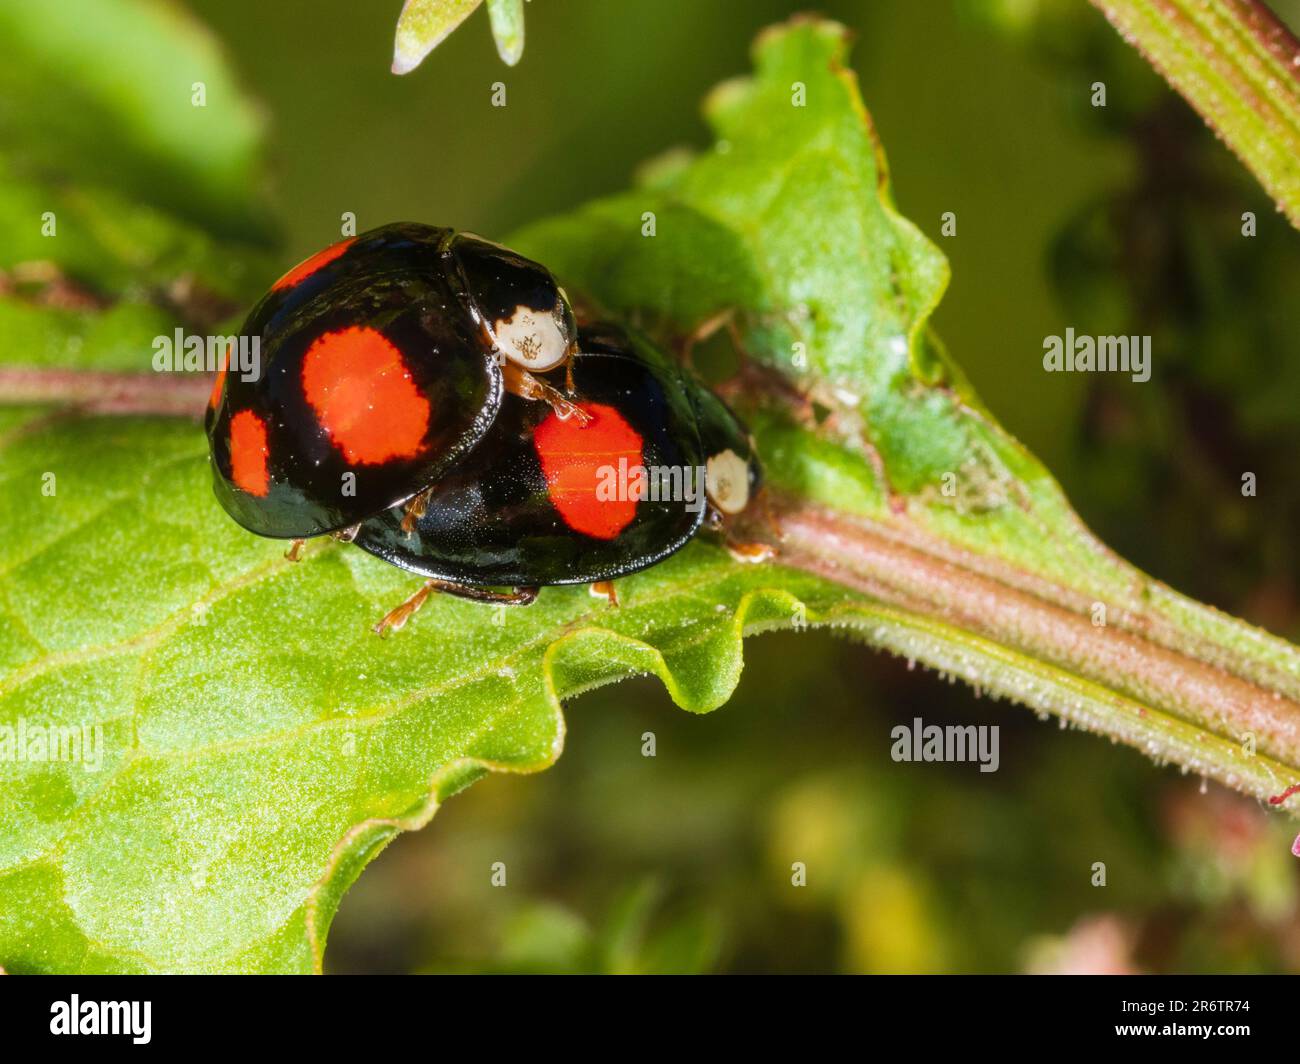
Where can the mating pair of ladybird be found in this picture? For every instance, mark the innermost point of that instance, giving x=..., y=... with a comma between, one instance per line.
x=429, y=396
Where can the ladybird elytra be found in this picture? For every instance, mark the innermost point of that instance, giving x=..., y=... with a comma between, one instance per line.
x=572, y=457
x=311, y=264
x=362, y=393
x=372, y=379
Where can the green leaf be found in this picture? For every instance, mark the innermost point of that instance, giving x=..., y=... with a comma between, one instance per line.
x=127, y=210
x=173, y=130
x=423, y=25
x=507, y=28
x=137, y=273
x=253, y=746
x=259, y=744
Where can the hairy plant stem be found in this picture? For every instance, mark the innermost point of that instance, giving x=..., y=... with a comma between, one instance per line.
x=1140, y=678
x=1239, y=67
x=1147, y=677
x=169, y=394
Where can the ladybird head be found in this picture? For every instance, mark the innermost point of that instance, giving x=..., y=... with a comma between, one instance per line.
x=524, y=312
x=732, y=474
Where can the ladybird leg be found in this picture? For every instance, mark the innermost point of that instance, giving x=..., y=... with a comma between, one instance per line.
x=520, y=382
x=604, y=589
x=415, y=509
x=347, y=535
x=394, y=619
x=520, y=596
x=294, y=553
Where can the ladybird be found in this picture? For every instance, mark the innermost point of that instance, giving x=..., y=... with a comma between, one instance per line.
x=381, y=361
x=546, y=501
x=428, y=396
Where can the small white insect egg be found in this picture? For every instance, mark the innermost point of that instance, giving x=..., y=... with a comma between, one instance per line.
x=726, y=480
x=534, y=339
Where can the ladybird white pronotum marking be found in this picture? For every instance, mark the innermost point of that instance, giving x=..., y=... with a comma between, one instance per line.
x=534, y=339
x=726, y=478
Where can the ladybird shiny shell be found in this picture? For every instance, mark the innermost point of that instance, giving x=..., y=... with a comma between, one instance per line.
x=377, y=364
x=427, y=395
x=545, y=500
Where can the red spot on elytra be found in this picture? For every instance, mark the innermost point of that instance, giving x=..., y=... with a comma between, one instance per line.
x=215, y=397
x=573, y=457
x=1278, y=799
x=364, y=396
x=309, y=266
x=248, y=452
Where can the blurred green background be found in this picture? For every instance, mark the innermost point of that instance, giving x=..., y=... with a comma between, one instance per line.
x=1118, y=220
